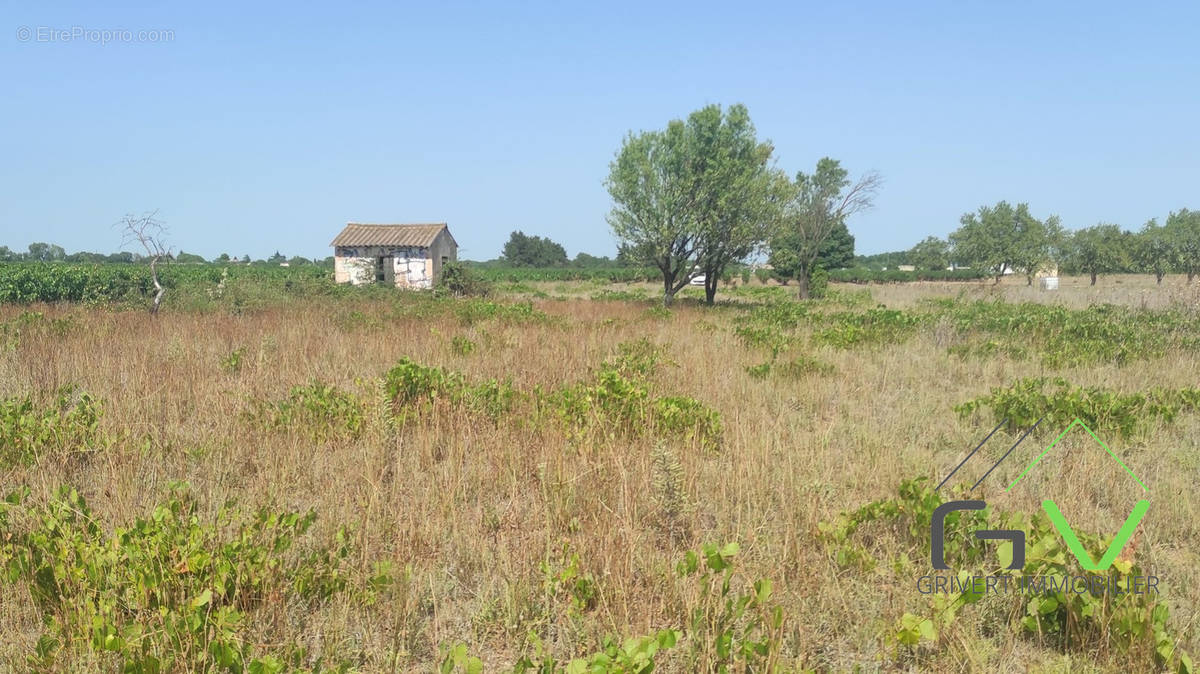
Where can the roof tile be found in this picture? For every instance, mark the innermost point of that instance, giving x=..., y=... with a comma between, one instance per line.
x=359, y=234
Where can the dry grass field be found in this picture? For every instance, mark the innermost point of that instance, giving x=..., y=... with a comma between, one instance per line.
x=537, y=515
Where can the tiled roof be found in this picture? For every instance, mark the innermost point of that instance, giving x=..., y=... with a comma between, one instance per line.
x=358, y=234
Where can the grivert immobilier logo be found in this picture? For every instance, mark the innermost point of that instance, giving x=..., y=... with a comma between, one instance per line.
x=1095, y=580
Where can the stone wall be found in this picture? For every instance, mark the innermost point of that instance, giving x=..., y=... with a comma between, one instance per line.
x=413, y=272
x=410, y=265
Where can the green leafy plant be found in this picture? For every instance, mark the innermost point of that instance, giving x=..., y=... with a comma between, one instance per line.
x=759, y=371
x=657, y=313
x=1064, y=337
x=801, y=366
x=818, y=283
x=1102, y=410
x=233, y=362
x=171, y=592
x=68, y=421
x=729, y=629
x=462, y=346
x=564, y=581
x=682, y=416
x=634, y=655
x=769, y=338
x=619, y=401
x=874, y=326
x=1135, y=624
x=409, y=382
x=320, y=408
x=631, y=295
x=462, y=281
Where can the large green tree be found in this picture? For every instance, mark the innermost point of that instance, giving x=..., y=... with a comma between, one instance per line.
x=1154, y=250
x=523, y=250
x=817, y=205
x=1037, y=242
x=587, y=260
x=46, y=252
x=189, y=257
x=930, y=253
x=697, y=195
x=1101, y=249
x=1002, y=237
x=653, y=204
x=1183, y=228
x=838, y=250
x=740, y=193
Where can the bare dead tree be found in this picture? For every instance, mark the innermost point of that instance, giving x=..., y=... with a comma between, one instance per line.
x=151, y=233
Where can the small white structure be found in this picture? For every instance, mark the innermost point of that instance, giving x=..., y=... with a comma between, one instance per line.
x=1049, y=283
x=406, y=256
x=906, y=267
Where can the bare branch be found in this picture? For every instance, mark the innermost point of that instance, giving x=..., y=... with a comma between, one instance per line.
x=150, y=233
x=861, y=195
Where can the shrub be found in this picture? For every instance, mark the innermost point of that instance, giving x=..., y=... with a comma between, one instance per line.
x=874, y=326
x=1104, y=411
x=28, y=429
x=170, y=592
x=233, y=362
x=321, y=408
x=462, y=346
x=409, y=382
x=801, y=366
x=687, y=417
x=818, y=283
x=492, y=398
x=632, y=295
x=1134, y=624
x=618, y=400
x=1064, y=337
x=27, y=282
x=768, y=338
x=475, y=310
x=462, y=281
x=759, y=371
x=729, y=629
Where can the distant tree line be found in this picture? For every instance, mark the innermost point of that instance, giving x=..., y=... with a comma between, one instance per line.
x=47, y=252
x=523, y=250
x=1006, y=239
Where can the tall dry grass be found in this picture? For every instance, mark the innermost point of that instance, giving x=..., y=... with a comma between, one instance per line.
x=472, y=509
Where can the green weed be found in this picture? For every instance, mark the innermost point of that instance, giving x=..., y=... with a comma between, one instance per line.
x=461, y=346
x=1104, y=411
x=321, y=408
x=69, y=421
x=171, y=592
x=1136, y=624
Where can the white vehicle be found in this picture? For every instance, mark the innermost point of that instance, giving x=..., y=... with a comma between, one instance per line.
x=697, y=280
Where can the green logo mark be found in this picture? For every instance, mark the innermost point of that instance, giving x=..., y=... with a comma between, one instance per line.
x=1060, y=522
x=1114, y=548
x=1051, y=508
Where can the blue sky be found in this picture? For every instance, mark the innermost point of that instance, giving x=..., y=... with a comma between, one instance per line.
x=263, y=127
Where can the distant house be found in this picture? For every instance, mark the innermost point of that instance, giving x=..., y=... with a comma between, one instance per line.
x=906, y=267
x=406, y=256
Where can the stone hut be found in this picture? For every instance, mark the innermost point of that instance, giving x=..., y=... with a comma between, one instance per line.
x=406, y=256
